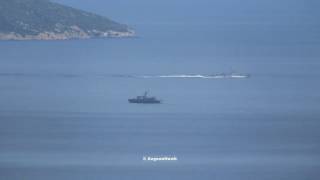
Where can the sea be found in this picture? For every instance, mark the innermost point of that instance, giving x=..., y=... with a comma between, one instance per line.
x=64, y=111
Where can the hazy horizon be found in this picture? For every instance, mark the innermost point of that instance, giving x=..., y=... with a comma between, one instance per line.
x=203, y=11
x=238, y=80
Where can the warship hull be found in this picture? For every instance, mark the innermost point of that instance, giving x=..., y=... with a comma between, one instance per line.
x=144, y=100
x=138, y=101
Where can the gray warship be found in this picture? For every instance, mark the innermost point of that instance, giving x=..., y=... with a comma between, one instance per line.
x=144, y=99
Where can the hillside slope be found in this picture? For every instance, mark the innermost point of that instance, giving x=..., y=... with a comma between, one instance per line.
x=45, y=20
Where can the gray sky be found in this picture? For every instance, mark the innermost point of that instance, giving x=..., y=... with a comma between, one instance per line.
x=159, y=11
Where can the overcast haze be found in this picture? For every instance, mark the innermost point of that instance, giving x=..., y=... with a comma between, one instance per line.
x=238, y=80
x=203, y=11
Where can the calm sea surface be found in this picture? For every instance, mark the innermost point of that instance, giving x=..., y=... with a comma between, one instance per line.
x=64, y=112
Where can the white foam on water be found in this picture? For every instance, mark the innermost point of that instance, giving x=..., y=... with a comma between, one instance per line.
x=217, y=76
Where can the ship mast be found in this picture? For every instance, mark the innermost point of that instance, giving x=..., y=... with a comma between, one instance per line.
x=145, y=94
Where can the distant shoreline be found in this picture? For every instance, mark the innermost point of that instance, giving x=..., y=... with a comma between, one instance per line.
x=46, y=20
x=51, y=36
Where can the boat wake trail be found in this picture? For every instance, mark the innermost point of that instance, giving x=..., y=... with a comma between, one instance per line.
x=181, y=76
x=194, y=76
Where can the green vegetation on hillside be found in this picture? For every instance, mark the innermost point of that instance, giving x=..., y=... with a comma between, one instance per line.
x=32, y=17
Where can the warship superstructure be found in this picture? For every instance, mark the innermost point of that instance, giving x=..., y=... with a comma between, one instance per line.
x=144, y=99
